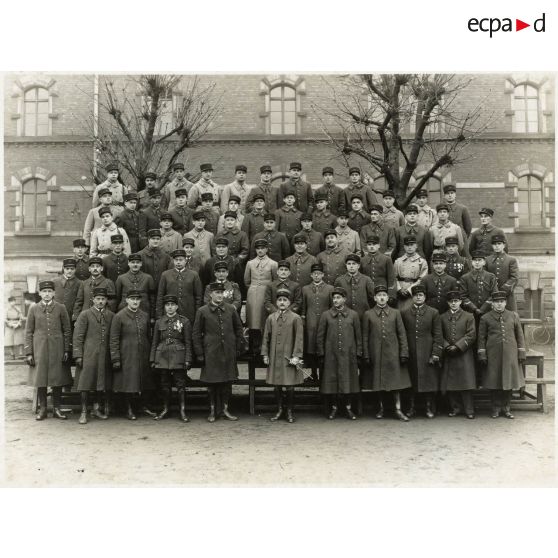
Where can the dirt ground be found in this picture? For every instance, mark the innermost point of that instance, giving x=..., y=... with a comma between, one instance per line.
x=313, y=451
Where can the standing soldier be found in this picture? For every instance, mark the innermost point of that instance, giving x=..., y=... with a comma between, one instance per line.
x=237, y=188
x=358, y=218
x=334, y=196
x=47, y=349
x=117, y=188
x=82, y=261
x=288, y=217
x=346, y=237
x=84, y=297
x=279, y=248
x=282, y=353
x=231, y=293
x=202, y=238
x=458, y=373
x=359, y=287
x=377, y=227
x=323, y=218
x=92, y=355
x=154, y=211
x=379, y=267
x=93, y=220
x=234, y=206
x=339, y=347
x=391, y=216
x=238, y=242
x=171, y=355
x=265, y=188
x=210, y=211
x=193, y=262
x=304, y=198
x=204, y=185
x=438, y=284
x=483, y=238
x=183, y=283
x=150, y=180
x=170, y=239
x=101, y=238
x=178, y=182
x=356, y=186
x=426, y=215
x=477, y=286
x=115, y=263
x=301, y=261
x=412, y=228
x=280, y=284
x=129, y=352
x=332, y=258
x=154, y=261
x=445, y=228
x=218, y=342
x=457, y=265
x=253, y=222
x=316, y=299
x=505, y=269
x=386, y=352
x=222, y=255
x=458, y=213
x=314, y=240
x=259, y=273
x=137, y=280
x=424, y=336
x=501, y=349
x=181, y=214
x=133, y=222
x=409, y=270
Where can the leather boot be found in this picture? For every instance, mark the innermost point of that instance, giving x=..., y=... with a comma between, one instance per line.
x=182, y=405
x=83, y=415
x=380, y=413
x=349, y=413
x=107, y=404
x=166, y=402
x=211, y=393
x=290, y=405
x=429, y=409
x=97, y=413
x=56, y=396
x=279, y=400
x=226, y=392
x=42, y=401
x=411, y=412
x=398, y=413
x=130, y=412
x=333, y=412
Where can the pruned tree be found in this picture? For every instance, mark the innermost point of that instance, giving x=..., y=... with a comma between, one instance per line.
x=396, y=122
x=147, y=122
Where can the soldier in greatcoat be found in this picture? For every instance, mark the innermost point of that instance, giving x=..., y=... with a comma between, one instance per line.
x=171, y=354
x=385, y=351
x=288, y=217
x=501, y=350
x=268, y=190
x=444, y=228
x=438, y=283
x=379, y=267
x=357, y=186
x=129, y=353
x=205, y=185
x=231, y=294
x=283, y=282
x=184, y=284
x=358, y=217
x=456, y=265
x=379, y=228
x=136, y=280
x=84, y=297
x=332, y=194
x=347, y=237
x=237, y=188
x=253, y=222
x=218, y=342
x=181, y=214
x=93, y=220
x=409, y=270
x=178, y=183
x=458, y=372
x=301, y=261
x=154, y=260
x=505, y=269
x=282, y=348
x=47, y=348
x=170, y=239
x=210, y=211
x=304, y=198
x=412, y=228
x=279, y=248
x=483, y=238
x=332, y=258
x=133, y=222
x=154, y=210
x=339, y=347
x=221, y=247
x=458, y=213
x=234, y=206
x=259, y=273
x=323, y=217
x=477, y=286
x=424, y=336
x=314, y=239
x=113, y=184
x=316, y=299
x=82, y=261
x=92, y=355
x=101, y=238
x=203, y=239
x=391, y=216
x=426, y=215
x=115, y=263
x=193, y=262
x=359, y=287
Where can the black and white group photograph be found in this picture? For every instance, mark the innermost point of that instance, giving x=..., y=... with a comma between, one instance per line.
x=279, y=279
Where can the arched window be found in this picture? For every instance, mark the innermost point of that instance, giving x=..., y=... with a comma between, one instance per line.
x=36, y=112
x=530, y=197
x=526, y=108
x=282, y=109
x=34, y=204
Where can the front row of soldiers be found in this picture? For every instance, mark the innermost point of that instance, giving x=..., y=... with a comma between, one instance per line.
x=387, y=350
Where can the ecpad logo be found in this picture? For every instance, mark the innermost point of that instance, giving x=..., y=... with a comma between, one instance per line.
x=492, y=25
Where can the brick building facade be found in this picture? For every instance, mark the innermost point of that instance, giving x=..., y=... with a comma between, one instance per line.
x=267, y=119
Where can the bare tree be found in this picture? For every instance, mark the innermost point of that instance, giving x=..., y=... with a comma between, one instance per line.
x=397, y=122
x=147, y=122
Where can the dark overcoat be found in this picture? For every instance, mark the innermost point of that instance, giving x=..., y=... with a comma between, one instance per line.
x=301, y=265
x=66, y=291
x=506, y=270
x=129, y=345
x=47, y=338
x=139, y=281
x=457, y=265
x=172, y=343
x=288, y=221
x=335, y=199
x=115, y=265
x=360, y=291
x=458, y=372
x=501, y=340
x=379, y=268
x=270, y=296
x=84, y=299
x=316, y=299
x=82, y=268
x=155, y=262
x=218, y=338
x=385, y=343
x=232, y=295
x=424, y=336
x=339, y=342
x=91, y=343
x=207, y=276
x=437, y=288
x=315, y=242
x=476, y=289
x=279, y=248
x=135, y=224
x=333, y=262
x=386, y=234
x=187, y=286
x=304, y=196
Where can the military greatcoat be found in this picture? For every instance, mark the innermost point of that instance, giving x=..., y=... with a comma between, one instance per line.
x=360, y=291
x=84, y=297
x=172, y=343
x=437, y=288
x=279, y=248
x=424, y=336
x=115, y=265
x=333, y=262
x=82, y=268
x=379, y=268
x=47, y=338
x=501, y=340
x=506, y=270
x=270, y=297
x=339, y=341
x=477, y=288
x=335, y=199
x=154, y=262
x=91, y=343
x=385, y=343
x=458, y=371
x=129, y=345
x=232, y=295
x=135, y=225
x=218, y=338
x=301, y=268
x=457, y=266
x=187, y=286
x=316, y=299
x=139, y=281
x=386, y=234
x=282, y=340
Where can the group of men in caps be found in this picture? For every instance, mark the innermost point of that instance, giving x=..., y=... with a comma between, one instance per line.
x=366, y=296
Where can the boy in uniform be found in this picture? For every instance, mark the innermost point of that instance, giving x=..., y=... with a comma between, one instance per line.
x=154, y=211
x=359, y=288
x=332, y=258
x=346, y=237
x=82, y=261
x=234, y=206
x=445, y=228
x=426, y=215
x=379, y=267
x=202, y=238
x=377, y=227
x=181, y=214
x=279, y=248
x=334, y=195
x=178, y=182
x=170, y=239
x=210, y=211
x=133, y=222
x=101, y=243
x=356, y=186
x=314, y=240
x=411, y=227
x=409, y=270
x=115, y=263
x=136, y=280
x=482, y=239
x=392, y=217
x=288, y=217
x=93, y=220
x=358, y=218
x=302, y=191
x=505, y=269
x=239, y=189
x=438, y=283
x=204, y=185
x=323, y=217
x=301, y=261
x=458, y=213
x=154, y=260
x=265, y=188
x=253, y=222
x=283, y=283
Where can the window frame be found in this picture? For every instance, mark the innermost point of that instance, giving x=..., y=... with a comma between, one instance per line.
x=525, y=110
x=282, y=100
x=36, y=102
x=34, y=228
x=529, y=190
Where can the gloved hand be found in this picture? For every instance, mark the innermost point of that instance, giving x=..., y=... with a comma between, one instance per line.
x=187, y=366
x=79, y=361
x=266, y=360
x=452, y=350
x=30, y=360
x=434, y=360
x=66, y=357
x=116, y=365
